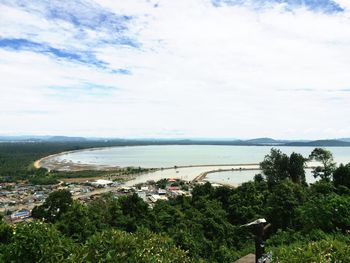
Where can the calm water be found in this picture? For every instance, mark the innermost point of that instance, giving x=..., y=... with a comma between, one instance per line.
x=180, y=155
x=239, y=177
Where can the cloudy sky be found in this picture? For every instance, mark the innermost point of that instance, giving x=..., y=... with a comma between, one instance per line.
x=175, y=68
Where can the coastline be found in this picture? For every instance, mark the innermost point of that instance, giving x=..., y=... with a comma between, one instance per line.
x=38, y=163
x=192, y=172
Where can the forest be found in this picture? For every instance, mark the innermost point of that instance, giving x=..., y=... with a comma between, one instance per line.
x=17, y=158
x=309, y=222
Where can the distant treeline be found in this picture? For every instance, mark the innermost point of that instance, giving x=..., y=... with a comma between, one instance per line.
x=17, y=158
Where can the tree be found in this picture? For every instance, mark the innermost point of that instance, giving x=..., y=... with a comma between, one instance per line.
x=283, y=202
x=328, y=165
x=37, y=242
x=76, y=223
x=55, y=205
x=275, y=166
x=296, y=168
x=278, y=166
x=5, y=232
x=105, y=211
x=118, y=246
x=135, y=213
x=341, y=175
x=202, y=190
x=325, y=250
x=329, y=212
x=248, y=202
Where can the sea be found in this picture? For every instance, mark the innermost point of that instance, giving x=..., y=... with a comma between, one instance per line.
x=167, y=156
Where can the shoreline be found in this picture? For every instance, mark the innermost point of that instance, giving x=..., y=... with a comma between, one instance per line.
x=191, y=172
x=50, y=162
x=203, y=175
x=38, y=163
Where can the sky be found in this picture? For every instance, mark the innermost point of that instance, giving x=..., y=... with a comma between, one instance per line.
x=175, y=69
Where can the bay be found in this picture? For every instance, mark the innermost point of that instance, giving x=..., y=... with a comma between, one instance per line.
x=183, y=155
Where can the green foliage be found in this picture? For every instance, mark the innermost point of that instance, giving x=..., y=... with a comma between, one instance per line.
x=277, y=167
x=16, y=159
x=328, y=165
x=75, y=222
x=322, y=188
x=135, y=213
x=323, y=251
x=162, y=183
x=82, y=174
x=341, y=175
x=56, y=204
x=42, y=180
x=283, y=202
x=290, y=236
x=5, y=233
x=41, y=242
x=202, y=191
x=118, y=246
x=105, y=212
x=37, y=242
x=296, y=168
x=329, y=213
x=248, y=202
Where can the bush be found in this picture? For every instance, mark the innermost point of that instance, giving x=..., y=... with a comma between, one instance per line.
x=119, y=246
x=327, y=250
x=5, y=233
x=329, y=213
x=37, y=242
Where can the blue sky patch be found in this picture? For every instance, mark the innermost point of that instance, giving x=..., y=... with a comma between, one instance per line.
x=84, y=89
x=121, y=71
x=24, y=44
x=95, y=27
x=87, y=58
x=18, y=44
x=326, y=6
x=84, y=16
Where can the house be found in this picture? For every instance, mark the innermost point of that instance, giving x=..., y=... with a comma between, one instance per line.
x=102, y=183
x=155, y=198
x=20, y=216
x=161, y=191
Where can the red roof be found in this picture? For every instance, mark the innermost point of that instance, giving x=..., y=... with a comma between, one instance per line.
x=173, y=188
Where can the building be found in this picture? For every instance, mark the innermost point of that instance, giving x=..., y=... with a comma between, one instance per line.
x=102, y=183
x=20, y=216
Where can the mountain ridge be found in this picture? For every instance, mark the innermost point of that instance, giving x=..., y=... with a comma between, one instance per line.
x=262, y=141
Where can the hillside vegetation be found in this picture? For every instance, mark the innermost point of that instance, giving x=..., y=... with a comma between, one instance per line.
x=310, y=223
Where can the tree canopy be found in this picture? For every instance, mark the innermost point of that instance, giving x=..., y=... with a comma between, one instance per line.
x=325, y=157
x=278, y=166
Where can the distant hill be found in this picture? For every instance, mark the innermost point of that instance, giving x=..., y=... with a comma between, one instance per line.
x=344, y=139
x=265, y=141
x=320, y=143
x=23, y=138
x=29, y=138
x=66, y=139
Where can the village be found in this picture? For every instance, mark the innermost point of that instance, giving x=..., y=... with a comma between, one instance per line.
x=18, y=199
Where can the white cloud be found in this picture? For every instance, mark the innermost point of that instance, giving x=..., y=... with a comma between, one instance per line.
x=201, y=71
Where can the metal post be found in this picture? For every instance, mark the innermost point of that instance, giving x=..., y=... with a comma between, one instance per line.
x=258, y=230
